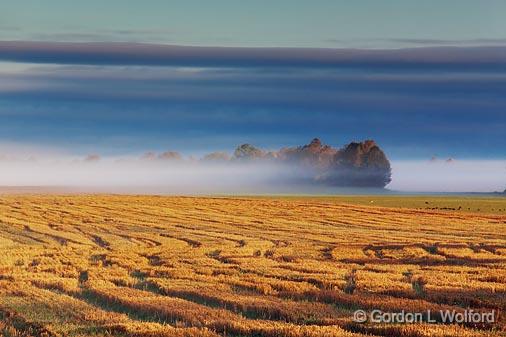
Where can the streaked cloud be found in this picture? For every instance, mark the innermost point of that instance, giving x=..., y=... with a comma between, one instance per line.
x=397, y=43
x=415, y=102
x=166, y=55
x=116, y=35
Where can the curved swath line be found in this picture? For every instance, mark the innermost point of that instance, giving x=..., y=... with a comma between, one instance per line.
x=148, y=242
x=463, y=298
x=101, y=304
x=60, y=239
x=20, y=241
x=20, y=324
x=202, y=233
x=189, y=242
x=100, y=242
x=193, y=314
x=216, y=301
x=235, y=241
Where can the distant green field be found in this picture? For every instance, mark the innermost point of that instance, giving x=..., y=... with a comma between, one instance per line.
x=485, y=204
x=475, y=204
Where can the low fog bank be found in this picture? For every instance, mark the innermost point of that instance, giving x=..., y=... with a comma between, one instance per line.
x=159, y=177
x=136, y=176
x=130, y=175
x=133, y=176
x=449, y=176
x=314, y=168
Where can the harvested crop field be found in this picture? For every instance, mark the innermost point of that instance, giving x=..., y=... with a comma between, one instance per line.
x=199, y=266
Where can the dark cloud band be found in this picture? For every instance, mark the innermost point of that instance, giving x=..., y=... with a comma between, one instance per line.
x=169, y=55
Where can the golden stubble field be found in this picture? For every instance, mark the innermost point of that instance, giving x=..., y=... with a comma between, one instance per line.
x=181, y=266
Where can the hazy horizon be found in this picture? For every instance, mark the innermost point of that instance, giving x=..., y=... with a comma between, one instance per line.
x=146, y=172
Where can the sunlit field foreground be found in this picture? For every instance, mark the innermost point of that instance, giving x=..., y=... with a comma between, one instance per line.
x=181, y=266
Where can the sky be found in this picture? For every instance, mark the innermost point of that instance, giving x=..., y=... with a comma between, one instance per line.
x=424, y=79
x=262, y=23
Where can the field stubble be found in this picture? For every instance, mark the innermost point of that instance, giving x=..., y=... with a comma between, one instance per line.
x=181, y=266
